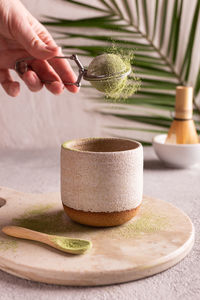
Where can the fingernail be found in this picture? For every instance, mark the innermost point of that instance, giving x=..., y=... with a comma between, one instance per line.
x=56, y=87
x=32, y=79
x=51, y=48
x=58, y=84
x=13, y=89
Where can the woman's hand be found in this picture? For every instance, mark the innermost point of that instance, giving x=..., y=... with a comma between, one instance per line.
x=21, y=35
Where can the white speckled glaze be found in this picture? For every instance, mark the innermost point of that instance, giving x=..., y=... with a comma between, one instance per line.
x=102, y=181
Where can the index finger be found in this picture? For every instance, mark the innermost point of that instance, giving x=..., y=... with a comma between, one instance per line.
x=65, y=72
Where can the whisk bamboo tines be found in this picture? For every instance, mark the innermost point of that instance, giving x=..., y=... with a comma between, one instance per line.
x=183, y=130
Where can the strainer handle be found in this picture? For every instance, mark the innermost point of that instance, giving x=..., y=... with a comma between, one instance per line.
x=21, y=66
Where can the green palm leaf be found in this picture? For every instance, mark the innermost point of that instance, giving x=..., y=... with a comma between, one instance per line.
x=85, y=5
x=156, y=52
x=163, y=25
x=155, y=19
x=145, y=13
x=188, y=54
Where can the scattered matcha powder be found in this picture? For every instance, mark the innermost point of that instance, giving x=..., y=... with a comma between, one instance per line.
x=146, y=223
x=36, y=209
x=8, y=245
x=41, y=218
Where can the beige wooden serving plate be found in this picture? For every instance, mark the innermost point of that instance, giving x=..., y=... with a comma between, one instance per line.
x=159, y=237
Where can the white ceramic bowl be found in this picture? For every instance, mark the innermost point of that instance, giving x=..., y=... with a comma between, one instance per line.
x=176, y=155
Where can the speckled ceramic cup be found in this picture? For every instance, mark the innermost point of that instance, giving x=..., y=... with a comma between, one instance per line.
x=101, y=180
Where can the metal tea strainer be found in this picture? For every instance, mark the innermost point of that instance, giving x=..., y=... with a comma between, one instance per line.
x=21, y=66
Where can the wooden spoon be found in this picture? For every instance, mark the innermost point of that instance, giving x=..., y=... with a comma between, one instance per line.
x=69, y=245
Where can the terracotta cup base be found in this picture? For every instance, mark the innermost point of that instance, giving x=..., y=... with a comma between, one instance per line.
x=100, y=219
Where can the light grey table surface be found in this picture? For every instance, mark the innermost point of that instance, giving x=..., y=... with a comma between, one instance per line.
x=38, y=171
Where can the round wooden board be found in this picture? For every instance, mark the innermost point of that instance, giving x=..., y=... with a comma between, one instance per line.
x=159, y=237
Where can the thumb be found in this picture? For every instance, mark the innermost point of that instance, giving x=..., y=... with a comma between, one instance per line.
x=32, y=43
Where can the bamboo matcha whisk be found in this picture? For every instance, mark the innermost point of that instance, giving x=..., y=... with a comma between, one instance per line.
x=182, y=130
